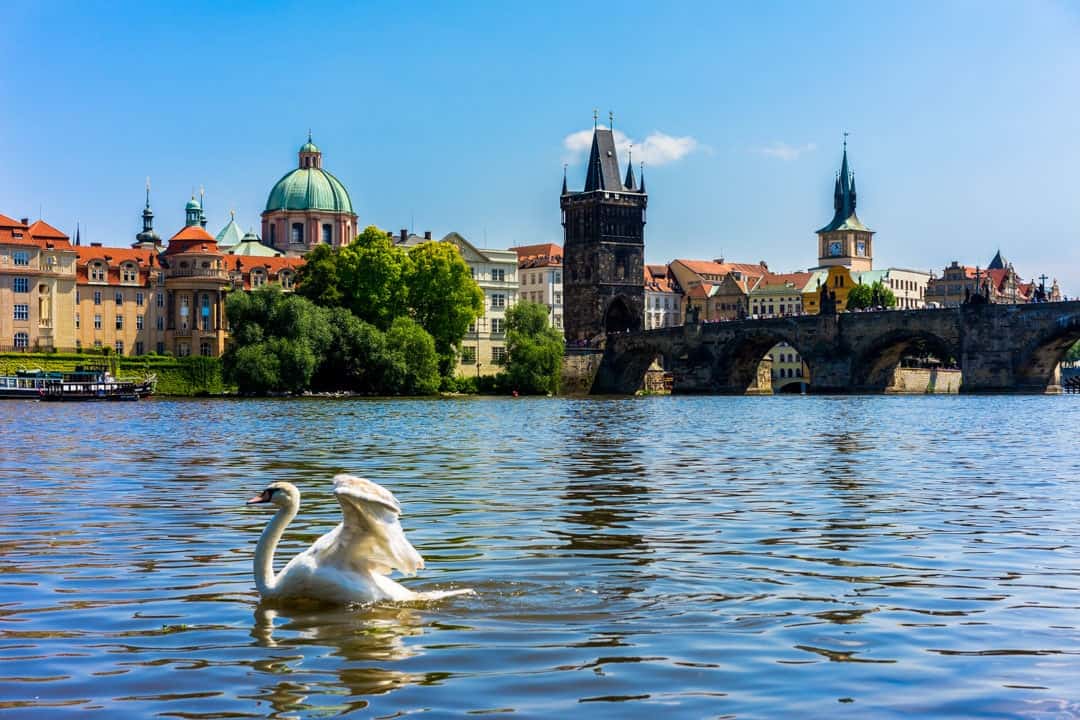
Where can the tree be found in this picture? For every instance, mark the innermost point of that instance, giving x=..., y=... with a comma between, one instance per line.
x=534, y=350
x=318, y=280
x=859, y=297
x=373, y=272
x=356, y=358
x=443, y=296
x=882, y=296
x=413, y=362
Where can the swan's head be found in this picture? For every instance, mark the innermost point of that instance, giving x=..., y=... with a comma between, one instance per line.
x=282, y=494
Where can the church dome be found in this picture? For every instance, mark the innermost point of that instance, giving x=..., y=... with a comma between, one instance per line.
x=309, y=188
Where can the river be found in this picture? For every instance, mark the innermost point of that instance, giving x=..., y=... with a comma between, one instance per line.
x=691, y=557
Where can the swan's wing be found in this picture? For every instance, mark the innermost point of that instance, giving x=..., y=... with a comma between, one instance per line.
x=370, y=533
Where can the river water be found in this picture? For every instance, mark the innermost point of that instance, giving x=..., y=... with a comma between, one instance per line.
x=696, y=557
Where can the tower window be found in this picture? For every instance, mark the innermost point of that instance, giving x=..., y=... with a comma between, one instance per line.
x=297, y=233
x=327, y=234
x=273, y=235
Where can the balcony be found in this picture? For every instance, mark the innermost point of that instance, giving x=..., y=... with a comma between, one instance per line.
x=214, y=273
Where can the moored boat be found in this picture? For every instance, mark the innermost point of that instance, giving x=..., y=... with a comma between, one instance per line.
x=84, y=383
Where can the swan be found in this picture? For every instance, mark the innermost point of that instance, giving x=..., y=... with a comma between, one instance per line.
x=351, y=563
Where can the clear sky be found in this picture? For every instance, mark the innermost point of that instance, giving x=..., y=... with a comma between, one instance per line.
x=459, y=116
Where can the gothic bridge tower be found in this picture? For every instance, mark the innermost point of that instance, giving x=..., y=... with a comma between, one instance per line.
x=604, y=246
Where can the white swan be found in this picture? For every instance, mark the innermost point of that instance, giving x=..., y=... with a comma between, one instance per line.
x=351, y=562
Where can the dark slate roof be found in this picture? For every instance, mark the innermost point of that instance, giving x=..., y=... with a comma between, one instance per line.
x=998, y=263
x=844, y=197
x=603, y=163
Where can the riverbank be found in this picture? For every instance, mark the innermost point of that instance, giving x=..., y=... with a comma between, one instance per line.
x=184, y=377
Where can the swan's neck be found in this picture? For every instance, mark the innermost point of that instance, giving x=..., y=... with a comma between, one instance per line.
x=264, y=551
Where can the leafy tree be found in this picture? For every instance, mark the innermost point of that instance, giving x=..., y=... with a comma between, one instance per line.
x=443, y=296
x=859, y=297
x=373, y=273
x=1074, y=353
x=318, y=280
x=357, y=357
x=534, y=350
x=414, y=364
x=862, y=296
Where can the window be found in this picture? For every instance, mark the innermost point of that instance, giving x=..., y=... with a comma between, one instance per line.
x=160, y=322
x=297, y=233
x=286, y=280
x=21, y=285
x=139, y=322
x=97, y=322
x=78, y=296
x=185, y=305
x=160, y=299
x=139, y=299
x=273, y=235
x=22, y=312
x=20, y=257
x=119, y=322
x=97, y=272
x=499, y=275
x=558, y=298
x=498, y=355
x=205, y=312
x=77, y=323
x=257, y=278
x=327, y=234
x=558, y=322
x=183, y=349
x=139, y=350
x=119, y=347
x=119, y=298
x=129, y=273
x=160, y=348
x=468, y=355
x=22, y=340
x=498, y=301
x=496, y=325
x=472, y=327
x=97, y=297
x=204, y=348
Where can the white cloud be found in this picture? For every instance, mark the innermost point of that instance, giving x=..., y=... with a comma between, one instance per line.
x=783, y=151
x=656, y=149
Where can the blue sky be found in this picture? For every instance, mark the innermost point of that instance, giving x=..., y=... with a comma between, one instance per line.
x=446, y=116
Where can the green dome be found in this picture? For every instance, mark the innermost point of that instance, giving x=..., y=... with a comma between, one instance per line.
x=309, y=147
x=309, y=189
x=193, y=204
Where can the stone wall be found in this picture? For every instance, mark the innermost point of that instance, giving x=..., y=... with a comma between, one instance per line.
x=579, y=371
x=923, y=381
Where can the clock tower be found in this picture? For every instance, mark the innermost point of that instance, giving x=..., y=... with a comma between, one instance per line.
x=845, y=240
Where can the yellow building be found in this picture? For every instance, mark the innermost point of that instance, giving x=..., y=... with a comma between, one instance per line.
x=836, y=282
x=37, y=286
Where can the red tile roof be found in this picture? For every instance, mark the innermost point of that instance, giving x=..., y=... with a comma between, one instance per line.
x=39, y=234
x=113, y=257
x=534, y=256
x=272, y=265
x=797, y=279
x=712, y=267
x=192, y=239
x=658, y=279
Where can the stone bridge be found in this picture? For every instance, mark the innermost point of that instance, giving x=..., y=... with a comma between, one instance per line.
x=999, y=348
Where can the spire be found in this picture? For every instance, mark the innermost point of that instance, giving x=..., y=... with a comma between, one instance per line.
x=78, y=235
x=629, y=183
x=642, y=188
x=603, y=172
x=564, y=190
x=202, y=207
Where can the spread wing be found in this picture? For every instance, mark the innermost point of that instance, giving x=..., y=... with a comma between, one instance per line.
x=370, y=533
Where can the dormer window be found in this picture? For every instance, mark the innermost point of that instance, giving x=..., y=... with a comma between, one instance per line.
x=257, y=278
x=286, y=280
x=129, y=273
x=97, y=272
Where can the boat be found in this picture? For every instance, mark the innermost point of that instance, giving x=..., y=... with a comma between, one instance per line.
x=86, y=382
x=92, y=382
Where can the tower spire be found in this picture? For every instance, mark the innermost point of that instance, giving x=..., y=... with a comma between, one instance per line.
x=564, y=191
x=202, y=207
x=595, y=118
x=629, y=183
x=78, y=235
x=642, y=188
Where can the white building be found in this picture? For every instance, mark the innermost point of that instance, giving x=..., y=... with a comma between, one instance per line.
x=540, y=278
x=663, y=301
x=483, y=351
x=909, y=286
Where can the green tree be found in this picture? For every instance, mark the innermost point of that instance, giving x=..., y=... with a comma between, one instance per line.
x=413, y=362
x=318, y=279
x=882, y=296
x=357, y=357
x=373, y=274
x=444, y=297
x=1074, y=353
x=534, y=350
x=859, y=297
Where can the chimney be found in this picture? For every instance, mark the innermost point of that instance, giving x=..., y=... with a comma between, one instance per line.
x=26, y=221
x=404, y=234
x=95, y=244
x=764, y=264
x=427, y=234
x=719, y=261
x=390, y=234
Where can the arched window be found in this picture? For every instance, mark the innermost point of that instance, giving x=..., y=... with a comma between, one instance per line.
x=257, y=278
x=273, y=235
x=327, y=234
x=297, y=233
x=286, y=279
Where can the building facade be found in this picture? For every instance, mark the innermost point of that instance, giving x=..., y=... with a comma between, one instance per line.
x=483, y=349
x=845, y=240
x=997, y=283
x=308, y=206
x=779, y=295
x=788, y=371
x=663, y=301
x=604, y=247
x=37, y=286
x=540, y=278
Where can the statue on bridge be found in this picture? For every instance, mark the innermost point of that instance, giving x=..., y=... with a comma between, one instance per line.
x=827, y=301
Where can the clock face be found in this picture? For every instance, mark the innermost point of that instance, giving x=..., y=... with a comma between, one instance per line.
x=834, y=249
x=860, y=247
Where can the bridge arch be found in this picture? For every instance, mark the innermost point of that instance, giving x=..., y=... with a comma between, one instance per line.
x=1037, y=362
x=618, y=317
x=875, y=365
x=736, y=370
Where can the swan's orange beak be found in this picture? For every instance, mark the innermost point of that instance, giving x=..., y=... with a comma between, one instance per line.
x=262, y=497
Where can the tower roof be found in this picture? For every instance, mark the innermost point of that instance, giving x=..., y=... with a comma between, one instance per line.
x=998, y=263
x=603, y=173
x=844, y=199
x=231, y=234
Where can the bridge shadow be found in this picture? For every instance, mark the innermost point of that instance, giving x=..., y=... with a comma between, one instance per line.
x=875, y=366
